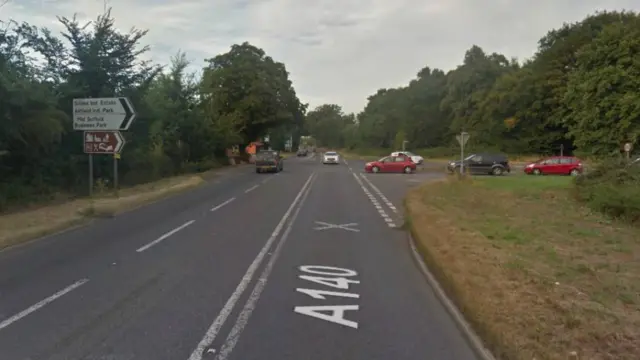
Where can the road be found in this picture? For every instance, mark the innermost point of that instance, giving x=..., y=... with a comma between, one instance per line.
x=305, y=264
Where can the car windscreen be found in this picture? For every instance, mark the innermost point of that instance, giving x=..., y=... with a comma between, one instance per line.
x=267, y=155
x=331, y=153
x=470, y=157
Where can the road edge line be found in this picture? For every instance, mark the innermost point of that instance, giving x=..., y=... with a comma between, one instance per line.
x=462, y=324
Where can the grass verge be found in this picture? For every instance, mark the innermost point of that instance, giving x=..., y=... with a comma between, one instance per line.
x=23, y=226
x=536, y=274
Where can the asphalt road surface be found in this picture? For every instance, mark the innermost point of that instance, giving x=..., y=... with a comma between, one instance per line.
x=305, y=264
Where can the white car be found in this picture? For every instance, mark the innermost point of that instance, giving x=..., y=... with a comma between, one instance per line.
x=415, y=158
x=331, y=157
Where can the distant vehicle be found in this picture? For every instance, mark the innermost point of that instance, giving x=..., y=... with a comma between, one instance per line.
x=331, y=157
x=269, y=161
x=555, y=165
x=415, y=158
x=482, y=163
x=302, y=152
x=391, y=164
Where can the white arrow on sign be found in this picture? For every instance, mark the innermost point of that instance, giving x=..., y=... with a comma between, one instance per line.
x=103, y=114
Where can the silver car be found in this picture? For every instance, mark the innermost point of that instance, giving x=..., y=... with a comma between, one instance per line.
x=331, y=157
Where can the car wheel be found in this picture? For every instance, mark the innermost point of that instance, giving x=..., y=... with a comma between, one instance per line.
x=258, y=171
x=574, y=172
x=375, y=169
x=537, y=172
x=497, y=171
x=408, y=170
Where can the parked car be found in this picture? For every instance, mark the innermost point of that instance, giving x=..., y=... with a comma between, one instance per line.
x=331, y=157
x=555, y=165
x=391, y=164
x=415, y=158
x=302, y=152
x=482, y=163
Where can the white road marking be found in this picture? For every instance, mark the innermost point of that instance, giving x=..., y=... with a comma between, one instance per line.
x=320, y=294
x=42, y=303
x=163, y=237
x=267, y=179
x=325, y=226
x=337, y=313
x=251, y=189
x=375, y=202
x=377, y=191
x=221, y=205
x=345, y=161
x=214, y=329
x=243, y=318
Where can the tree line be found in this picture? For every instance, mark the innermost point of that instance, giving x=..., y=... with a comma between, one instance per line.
x=184, y=123
x=580, y=92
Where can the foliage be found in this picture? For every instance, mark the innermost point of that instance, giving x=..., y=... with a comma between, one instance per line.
x=612, y=188
x=579, y=92
x=183, y=123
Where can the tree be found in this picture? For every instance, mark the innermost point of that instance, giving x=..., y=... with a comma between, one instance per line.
x=183, y=123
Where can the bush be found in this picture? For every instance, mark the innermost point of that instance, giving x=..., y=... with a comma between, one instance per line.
x=612, y=188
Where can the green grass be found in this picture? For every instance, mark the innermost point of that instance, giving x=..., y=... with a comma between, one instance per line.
x=525, y=183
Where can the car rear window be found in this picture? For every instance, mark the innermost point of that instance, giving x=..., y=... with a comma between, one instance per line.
x=331, y=153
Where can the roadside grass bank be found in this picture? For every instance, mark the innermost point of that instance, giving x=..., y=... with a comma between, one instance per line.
x=26, y=225
x=537, y=274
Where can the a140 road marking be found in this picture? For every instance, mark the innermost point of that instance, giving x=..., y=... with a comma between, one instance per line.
x=334, y=277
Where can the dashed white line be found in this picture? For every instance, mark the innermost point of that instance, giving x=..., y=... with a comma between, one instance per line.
x=161, y=238
x=375, y=202
x=247, y=310
x=377, y=191
x=42, y=303
x=215, y=327
x=221, y=205
x=345, y=162
x=251, y=189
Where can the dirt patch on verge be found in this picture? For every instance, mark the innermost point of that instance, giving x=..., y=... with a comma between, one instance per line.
x=537, y=275
x=27, y=225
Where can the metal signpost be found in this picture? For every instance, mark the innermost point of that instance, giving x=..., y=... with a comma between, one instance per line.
x=462, y=138
x=627, y=149
x=102, y=119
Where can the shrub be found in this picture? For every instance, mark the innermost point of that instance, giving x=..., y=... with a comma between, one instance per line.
x=612, y=188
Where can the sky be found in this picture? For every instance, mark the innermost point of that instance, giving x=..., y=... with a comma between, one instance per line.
x=336, y=51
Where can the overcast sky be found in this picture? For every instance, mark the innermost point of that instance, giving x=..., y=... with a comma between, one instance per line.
x=337, y=51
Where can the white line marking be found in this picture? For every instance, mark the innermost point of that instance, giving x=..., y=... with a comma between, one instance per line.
x=384, y=198
x=375, y=202
x=42, y=303
x=242, y=320
x=221, y=205
x=251, y=189
x=156, y=241
x=215, y=327
x=267, y=179
x=345, y=161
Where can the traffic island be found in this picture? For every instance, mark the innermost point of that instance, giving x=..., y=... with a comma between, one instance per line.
x=537, y=275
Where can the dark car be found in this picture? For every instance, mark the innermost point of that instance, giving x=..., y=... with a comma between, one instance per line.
x=268, y=161
x=482, y=163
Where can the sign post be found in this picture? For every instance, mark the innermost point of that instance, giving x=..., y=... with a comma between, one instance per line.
x=101, y=120
x=462, y=138
x=627, y=149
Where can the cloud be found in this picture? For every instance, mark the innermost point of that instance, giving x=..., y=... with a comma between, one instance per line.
x=337, y=51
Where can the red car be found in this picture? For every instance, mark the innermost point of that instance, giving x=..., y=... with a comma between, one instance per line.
x=555, y=165
x=391, y=164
